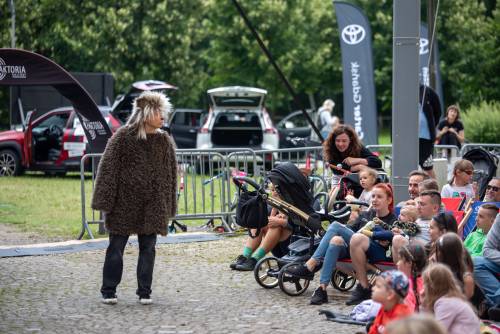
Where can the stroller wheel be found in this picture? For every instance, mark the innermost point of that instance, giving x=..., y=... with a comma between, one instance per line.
x=266, y=272
x=291, y=285
x=341, y=281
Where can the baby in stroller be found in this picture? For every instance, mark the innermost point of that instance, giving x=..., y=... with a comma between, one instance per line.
x=291, y=186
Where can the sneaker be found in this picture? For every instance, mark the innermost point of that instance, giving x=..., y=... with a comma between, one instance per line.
x=248, y=265
x=319, y=297
x=358, y=295
x=109, y=299
x=300, y=271
x=239, y=260
x=145, y=300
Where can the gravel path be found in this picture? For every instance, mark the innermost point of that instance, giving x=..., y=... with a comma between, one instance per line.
x=194, y=291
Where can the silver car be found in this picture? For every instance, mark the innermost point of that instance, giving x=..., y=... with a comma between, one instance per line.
x=237, y=118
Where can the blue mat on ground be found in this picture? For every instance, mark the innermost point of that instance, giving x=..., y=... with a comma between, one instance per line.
x=97, y=244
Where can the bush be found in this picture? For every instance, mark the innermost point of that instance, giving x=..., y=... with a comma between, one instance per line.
x=482, y=123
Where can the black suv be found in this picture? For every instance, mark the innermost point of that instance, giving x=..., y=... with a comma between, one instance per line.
x=184, y=125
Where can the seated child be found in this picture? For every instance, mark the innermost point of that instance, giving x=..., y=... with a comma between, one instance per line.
x=390, y=289
x=408, y=213
x=484, y=221
x=460, y=184
x=440, y=224
x=444, y=298
x=450, y=251
x=412, y=261
x=367, y=179
x=416, y=324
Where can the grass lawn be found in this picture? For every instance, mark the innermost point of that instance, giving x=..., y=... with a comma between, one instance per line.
x=40, y=204
x=52, y=205
x=384, y=137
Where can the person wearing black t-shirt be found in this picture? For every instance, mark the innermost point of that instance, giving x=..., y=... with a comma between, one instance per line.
x=450, y=131
x=343, y=147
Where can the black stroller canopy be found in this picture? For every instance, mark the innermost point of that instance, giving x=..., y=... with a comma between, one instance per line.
x=293, y=186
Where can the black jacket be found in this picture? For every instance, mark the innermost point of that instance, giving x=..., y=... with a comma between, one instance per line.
x=373, y=161
x=431, y=108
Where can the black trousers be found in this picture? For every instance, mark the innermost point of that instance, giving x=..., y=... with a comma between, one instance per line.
x=113, y=264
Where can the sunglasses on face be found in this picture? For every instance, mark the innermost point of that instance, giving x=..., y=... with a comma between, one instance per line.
x=493, y=188
x=468, y=172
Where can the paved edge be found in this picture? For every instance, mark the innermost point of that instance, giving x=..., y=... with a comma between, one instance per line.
x=74, y=246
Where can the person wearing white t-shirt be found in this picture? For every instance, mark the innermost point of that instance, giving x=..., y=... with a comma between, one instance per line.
x=428, y=205
x=460, y=184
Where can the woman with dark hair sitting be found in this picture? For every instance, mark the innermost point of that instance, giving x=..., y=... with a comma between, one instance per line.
x=450, y=131
x=343, y=147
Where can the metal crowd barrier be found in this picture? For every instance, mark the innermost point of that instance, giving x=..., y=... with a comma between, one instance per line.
x=204, y=189
x=385, y=153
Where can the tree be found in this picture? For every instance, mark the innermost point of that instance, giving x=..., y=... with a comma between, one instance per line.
x=299, y=34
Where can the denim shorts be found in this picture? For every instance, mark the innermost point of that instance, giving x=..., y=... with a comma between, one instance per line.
x=376, y=253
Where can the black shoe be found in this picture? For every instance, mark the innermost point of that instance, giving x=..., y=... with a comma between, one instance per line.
x=319, y=297
x=145, y=300
x=239, y=260
x=359, y=294
x=300, y=271
x=109, y=299
x=248, y=265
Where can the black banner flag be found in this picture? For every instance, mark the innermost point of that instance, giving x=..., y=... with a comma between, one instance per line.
x=360, y=107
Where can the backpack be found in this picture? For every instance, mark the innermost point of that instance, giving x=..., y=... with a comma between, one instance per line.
x=251, y=212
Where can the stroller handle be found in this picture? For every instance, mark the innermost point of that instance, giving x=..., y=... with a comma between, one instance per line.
x=360, y=203
x=240, y=180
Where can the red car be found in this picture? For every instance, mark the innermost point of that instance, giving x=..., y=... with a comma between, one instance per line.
x=53, y=143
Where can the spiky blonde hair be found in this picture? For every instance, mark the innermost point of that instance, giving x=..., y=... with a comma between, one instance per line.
x=144, y=108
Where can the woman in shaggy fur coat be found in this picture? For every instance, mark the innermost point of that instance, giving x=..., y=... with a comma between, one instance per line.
x=136, y=189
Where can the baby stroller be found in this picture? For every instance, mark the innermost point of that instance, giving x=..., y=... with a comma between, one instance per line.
x=294, y=188
x=270, y=272
x=485, y=167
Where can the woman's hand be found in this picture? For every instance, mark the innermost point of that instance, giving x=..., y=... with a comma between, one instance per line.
x=350, y=161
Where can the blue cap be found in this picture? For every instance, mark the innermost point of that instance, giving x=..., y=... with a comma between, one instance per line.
x=397, y=281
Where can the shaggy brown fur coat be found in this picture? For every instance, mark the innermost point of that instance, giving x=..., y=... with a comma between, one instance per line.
x=136, y=183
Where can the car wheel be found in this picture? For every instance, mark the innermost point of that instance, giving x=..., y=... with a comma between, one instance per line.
x=10, y=164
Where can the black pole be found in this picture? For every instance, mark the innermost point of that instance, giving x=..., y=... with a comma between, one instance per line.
x=280, y=73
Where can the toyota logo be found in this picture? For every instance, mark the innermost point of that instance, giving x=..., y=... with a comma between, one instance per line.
x=424, y=46
x=2, y=72
x=353, y=34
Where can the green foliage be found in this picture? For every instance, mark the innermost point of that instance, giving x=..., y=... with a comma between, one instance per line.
x=481, y=123
x=200, y=44
x=299, y=34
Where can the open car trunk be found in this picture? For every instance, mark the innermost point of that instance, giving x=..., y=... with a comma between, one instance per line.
x=237, y=129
